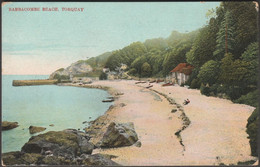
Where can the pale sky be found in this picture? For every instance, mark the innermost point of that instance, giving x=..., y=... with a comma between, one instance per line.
x=41, y=42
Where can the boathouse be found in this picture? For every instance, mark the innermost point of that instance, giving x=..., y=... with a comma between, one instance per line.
x=181, y=73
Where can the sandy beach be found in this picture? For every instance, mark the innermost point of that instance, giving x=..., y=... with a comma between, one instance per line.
x=216, y=134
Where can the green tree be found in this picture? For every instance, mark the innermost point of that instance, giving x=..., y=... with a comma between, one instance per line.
x=176, y=38
x=251, y=56
x=168, y=63
x=209, y=72
x=61, y=77
x=226, y=69
x=233, y=73
x=174, y=57
x=137, y=64
x=132, y=71
x=245, y=16
x=156, y=43
x=204, y=45
x=114, y=60
x=193, y=80
x=225, y=37
x=146, y=70
x=99, y=61
x=239, y=73
x=126, y=55
x=155, y=58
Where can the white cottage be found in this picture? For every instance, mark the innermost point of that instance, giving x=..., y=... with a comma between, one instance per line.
x=181, y=73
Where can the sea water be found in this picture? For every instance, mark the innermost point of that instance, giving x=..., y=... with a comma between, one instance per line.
x=43, y=105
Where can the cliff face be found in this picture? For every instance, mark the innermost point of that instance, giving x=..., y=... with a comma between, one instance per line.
x=74, y=69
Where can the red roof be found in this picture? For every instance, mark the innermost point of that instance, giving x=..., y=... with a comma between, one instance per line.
x=183, y=68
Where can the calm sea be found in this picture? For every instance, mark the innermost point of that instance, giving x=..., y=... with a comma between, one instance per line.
x=65, y=107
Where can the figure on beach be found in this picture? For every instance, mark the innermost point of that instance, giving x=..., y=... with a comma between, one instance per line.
x=186, y=102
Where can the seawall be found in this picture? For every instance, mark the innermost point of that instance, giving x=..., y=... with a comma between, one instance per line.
x=33, y=82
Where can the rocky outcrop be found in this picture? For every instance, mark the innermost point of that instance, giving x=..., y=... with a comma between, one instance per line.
x=68, y=147
x=80, y=67
x=36, y=129
x=67, y=143
x=12, y=158
x=119, y=135
x=138, y=144
x=9, y=125
x=174, y=110
x=18, y=158
x=97, y=160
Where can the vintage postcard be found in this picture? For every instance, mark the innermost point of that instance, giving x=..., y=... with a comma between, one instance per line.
x=130, y=83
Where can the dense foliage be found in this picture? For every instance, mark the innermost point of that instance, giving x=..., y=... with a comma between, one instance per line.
x=224, y=53
x=99, y=61
x=155, y=57
x=209, y=72
x=103, y=76
x=252, y=130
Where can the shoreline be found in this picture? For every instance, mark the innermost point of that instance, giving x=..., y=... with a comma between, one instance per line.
x=125, y=155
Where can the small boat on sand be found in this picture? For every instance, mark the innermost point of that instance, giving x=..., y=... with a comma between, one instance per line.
x=107, y=100
x=140, y=82
x=149, y=86
x=159, y=81
x=168, y=84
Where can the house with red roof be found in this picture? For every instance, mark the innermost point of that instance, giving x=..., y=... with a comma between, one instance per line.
x=181, y=73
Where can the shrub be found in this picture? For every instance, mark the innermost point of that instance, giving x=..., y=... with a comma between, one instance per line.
x=222, y=88
x=252, y=122
x=61, y=77
x=214, y=89
x=61, y=69
x=232, y=92
x=205, y=90
x=195, y=84
x=193, y=76
x=250, y=99
x=246, y=163
x=252, y=117
x=146, y=70
x=103, y=76
x=252, y=131
x=209, y=72
x=132, y=71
